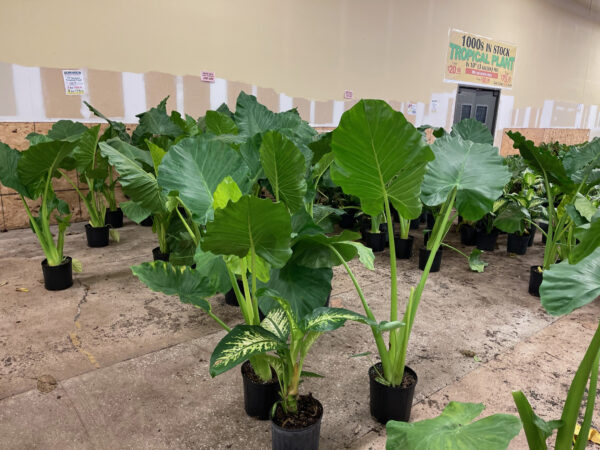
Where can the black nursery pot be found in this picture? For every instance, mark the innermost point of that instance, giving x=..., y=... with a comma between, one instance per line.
x=389, y=402
x=375, y=241
x=535, y=280
x=543, y=226
x=404, y=247
x=114, y=218
x=348, y=220
x=517, y=244
x=531, y=236
x=485, y=241
x=468, y=234
x=258, y=397
x=96, y=236
x=147, y=222
x=424, y=257
x=299, y=439
x=57, y=278
x=159, y=256
x=230, y=298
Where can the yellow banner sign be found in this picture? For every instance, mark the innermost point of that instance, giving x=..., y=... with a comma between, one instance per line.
x=478, y=60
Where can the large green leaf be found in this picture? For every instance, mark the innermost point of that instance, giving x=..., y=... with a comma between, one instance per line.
x=134, y=211
x=190, y=285
x=194, y=167
x=329, y=319
x=566, y=287
x=379, y=154
x=512, y=219
x=85, y=152
x=219, y=123
x=212, y=267
x=454, y=429
x=9, y=177
x=303, y=288
x=536, y=429
x=315, y=251
x=39, y=162
x=473, y=130
x=241, y=343
x=67, y=130
x=581, y=160
x=284, y=166
x=590, y=240
x=138, y=184
x=251, y=117
x=542, y=161
x=143, y=157
x=251, y=224
x=154, y=122
x=476, y=171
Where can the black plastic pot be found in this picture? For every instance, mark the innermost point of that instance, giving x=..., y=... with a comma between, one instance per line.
x=302, y=439
x=258, y=397
x=114, y=218
x=424, y=256
x=57, y=278
x=543, y=226
x=230, y=298
x=388, y=402
x=485, y=241
x=535, y=280
x=147, y=222
x=404, y=247
x=468, y=234
x=375, y=241
x=159, y=256
x=96, y=236
x=426, y=234
x=414, y=223
x=531, y=236
x=348, y=220
x=517, y=244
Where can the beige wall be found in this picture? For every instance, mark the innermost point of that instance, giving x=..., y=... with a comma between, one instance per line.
x=312, y=48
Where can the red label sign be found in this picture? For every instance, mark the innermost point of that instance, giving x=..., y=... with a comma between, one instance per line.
x=209, y=77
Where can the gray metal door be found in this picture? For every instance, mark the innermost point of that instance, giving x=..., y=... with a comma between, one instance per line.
x=476, y=103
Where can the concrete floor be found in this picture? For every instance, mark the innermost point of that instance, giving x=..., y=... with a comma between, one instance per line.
x=132, y=365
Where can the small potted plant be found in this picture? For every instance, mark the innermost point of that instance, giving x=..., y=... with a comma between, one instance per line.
x=30, y=174
x=515, y=220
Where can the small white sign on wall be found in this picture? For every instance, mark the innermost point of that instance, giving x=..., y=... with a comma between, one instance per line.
x=74, y=82
x=434, y=105
x=348, y=95
x=412, y=109
x=208, y=77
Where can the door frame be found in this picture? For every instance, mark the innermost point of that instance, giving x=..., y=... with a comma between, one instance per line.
x=478, y=88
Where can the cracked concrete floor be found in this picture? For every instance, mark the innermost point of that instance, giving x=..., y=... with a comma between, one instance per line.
x=132, y=365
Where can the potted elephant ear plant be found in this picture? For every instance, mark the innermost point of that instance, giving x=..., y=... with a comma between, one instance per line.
x=30, y=174
x=382, y=159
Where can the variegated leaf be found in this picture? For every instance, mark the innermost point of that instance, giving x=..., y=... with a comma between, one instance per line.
x=277, y=323
x=329, y=319
x=240, y=344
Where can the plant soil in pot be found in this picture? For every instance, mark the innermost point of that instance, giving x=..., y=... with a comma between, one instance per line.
x=114, y=218
x=259, y=396
x=485, y=241
x=517, y=244
x=230, y=298
x=297, y=432
x=531, y=236
x=391, y=402
x=159, y=256
x=375, y=241
x=147, y=222
x=404, y=247
x=96, y=236
x=424, y=257
x=468, y=234
x=57, y=278
x=535, y=280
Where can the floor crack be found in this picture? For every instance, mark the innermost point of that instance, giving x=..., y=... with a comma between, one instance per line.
x=73, y=337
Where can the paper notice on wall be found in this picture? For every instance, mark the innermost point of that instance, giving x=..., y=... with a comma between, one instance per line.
x=208, y=77
x=412, y=109
x=74, y=82
x=348, y=95
x=433, y=107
